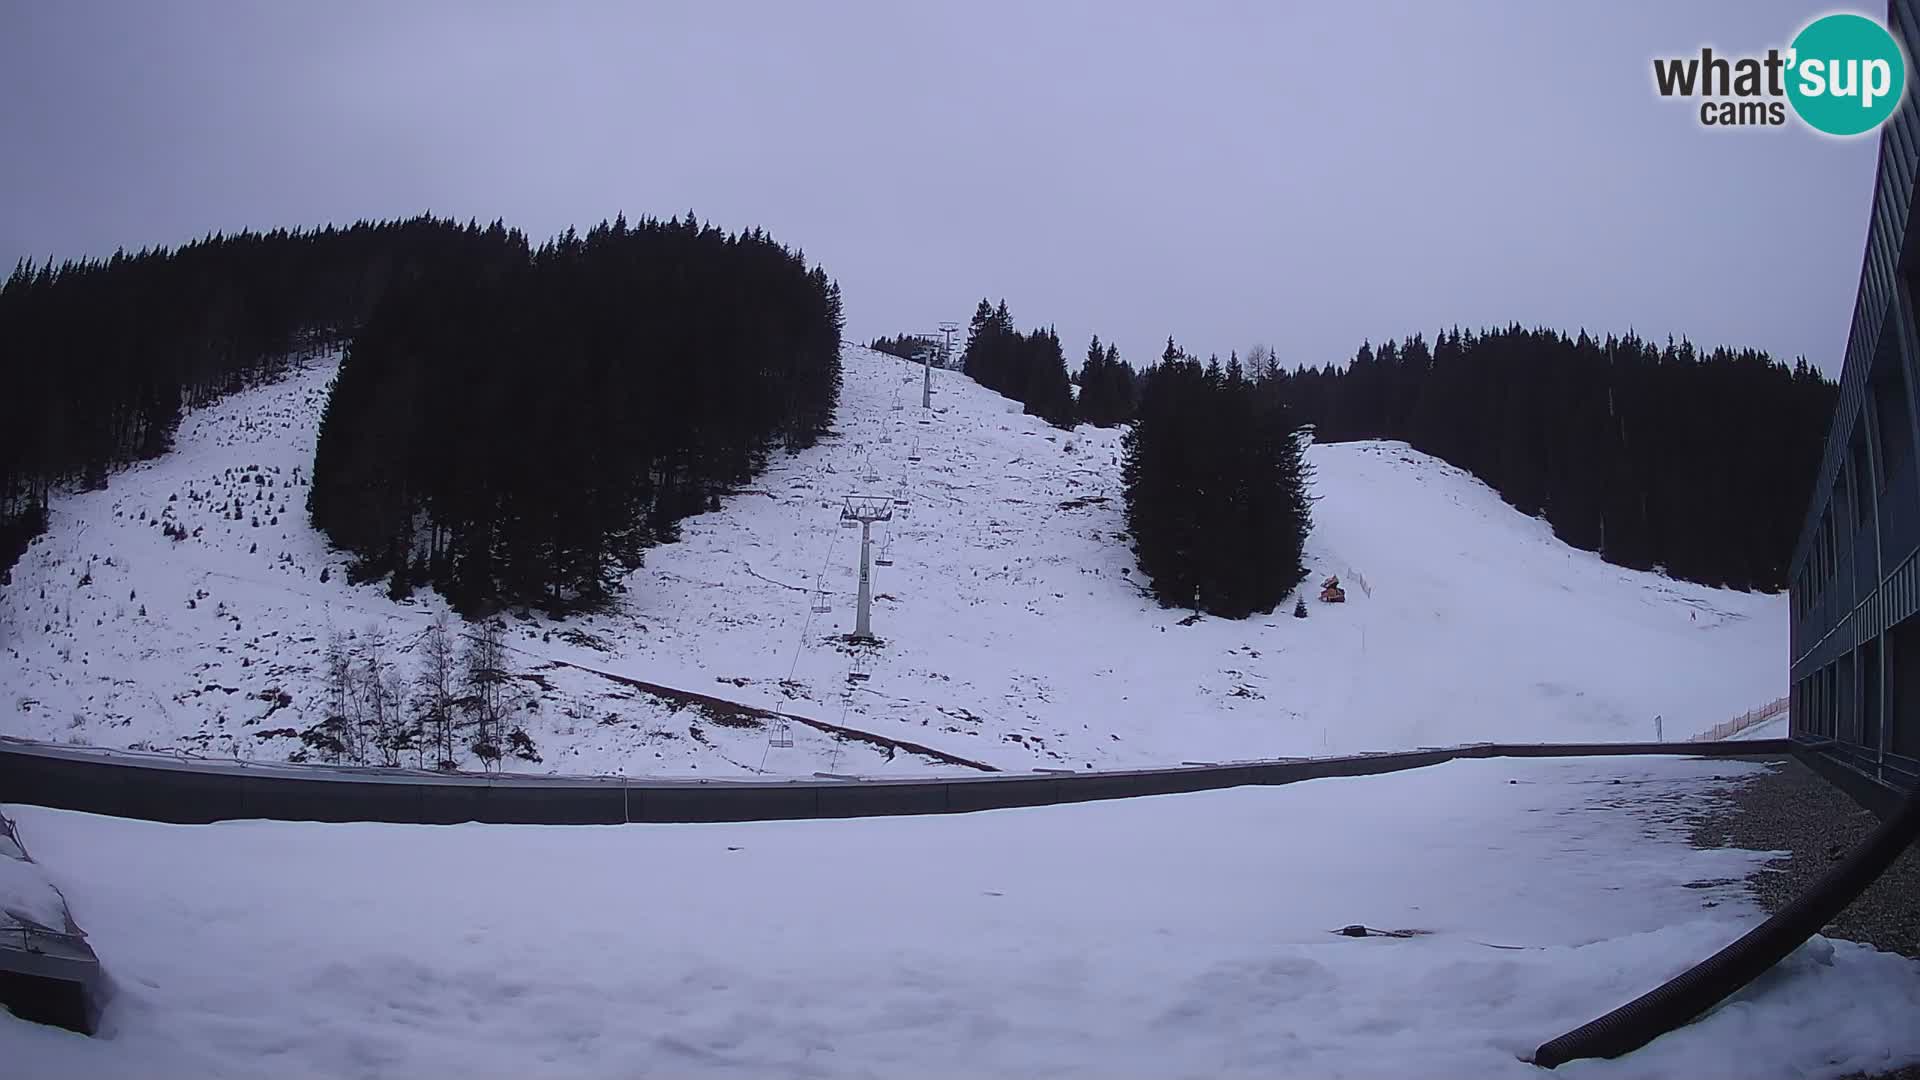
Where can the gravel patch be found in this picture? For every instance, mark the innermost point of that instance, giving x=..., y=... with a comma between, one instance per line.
x=1813, y=825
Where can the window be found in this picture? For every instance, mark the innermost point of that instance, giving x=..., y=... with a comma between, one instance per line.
x=1832, y=723
x=1862, y=483
x=1827, y=561
x=1817, y=707
x=1817, y=563
x=1870, y=694
x=1846, y=673
x=1902, y=712
x=1829, y=702
x=1889, y=429
x=1817, y=560
x=1833, y=548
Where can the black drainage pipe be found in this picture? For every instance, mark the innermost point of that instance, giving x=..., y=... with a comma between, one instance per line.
x=1707, y=983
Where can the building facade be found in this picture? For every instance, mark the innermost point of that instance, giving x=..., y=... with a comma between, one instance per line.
x=1856, y=580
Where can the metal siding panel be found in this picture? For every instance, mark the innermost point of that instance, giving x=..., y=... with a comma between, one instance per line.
x=1833, y=613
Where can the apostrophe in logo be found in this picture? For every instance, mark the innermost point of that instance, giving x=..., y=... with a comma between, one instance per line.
x=1844, y=74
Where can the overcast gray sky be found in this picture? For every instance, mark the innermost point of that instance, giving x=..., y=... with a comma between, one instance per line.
x=1301, y=174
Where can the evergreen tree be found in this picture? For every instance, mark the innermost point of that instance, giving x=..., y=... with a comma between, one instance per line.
x=1048, y=394
x=1654, y=455
x=518, y=433
x=100, y=356
x=1106, y=386
x=1216, y=489
x=511, y=426
x=914, y=347
x=1029, y=368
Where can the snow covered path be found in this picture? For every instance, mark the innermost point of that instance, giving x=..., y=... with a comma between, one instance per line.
x=1173, y=936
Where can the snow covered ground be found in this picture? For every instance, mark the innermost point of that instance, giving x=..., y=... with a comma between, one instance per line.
x=1014, y=631
x=1183, y=935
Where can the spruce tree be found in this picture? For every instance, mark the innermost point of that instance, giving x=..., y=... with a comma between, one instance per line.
x=1216, y=489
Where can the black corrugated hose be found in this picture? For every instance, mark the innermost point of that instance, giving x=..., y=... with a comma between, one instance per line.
x=1707, y=983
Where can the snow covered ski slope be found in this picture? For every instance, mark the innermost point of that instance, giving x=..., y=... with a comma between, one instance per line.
x=1014, y=631
x=1176, y=936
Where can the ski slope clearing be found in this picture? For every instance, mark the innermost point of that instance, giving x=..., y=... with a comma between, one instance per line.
x=1183, y=935
x=1014, y=632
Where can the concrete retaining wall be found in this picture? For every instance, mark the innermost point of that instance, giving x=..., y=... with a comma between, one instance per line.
x=191, y=791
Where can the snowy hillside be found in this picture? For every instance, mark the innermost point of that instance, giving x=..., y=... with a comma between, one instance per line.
x=1013, y=632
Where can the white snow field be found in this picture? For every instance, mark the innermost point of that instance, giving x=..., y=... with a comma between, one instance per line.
x=1175, y=936
x=1776, y=728
x=1014, y=633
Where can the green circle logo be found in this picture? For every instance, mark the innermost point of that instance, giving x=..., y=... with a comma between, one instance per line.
x=1846, y=74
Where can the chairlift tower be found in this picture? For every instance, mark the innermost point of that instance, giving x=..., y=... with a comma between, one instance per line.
x=865, y=509
x=946, y=361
